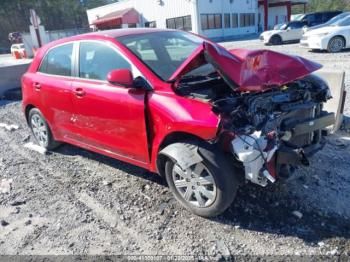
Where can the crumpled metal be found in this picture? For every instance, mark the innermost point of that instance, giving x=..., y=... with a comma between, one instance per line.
x=250, y=70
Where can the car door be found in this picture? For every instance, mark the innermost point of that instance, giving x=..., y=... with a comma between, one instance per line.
x=52, y=85
x=107, y=116
x=294, y=31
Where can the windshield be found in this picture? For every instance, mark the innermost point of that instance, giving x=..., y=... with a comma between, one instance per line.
x=284, y=27
x=163, y=52
x=297, y=17
x=337, y=18
x=343, y=22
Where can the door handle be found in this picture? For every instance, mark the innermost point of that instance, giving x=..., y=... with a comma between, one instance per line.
x=79, y=92
x=37, y=86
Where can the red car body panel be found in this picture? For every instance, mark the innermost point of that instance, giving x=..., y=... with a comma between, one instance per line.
x=111, y=119
x=131, y=124
x=249, y=70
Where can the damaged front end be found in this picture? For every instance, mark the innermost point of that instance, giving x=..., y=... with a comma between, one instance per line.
x=277, y=129
x=270, y=105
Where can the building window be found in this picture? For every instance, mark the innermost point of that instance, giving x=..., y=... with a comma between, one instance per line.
x=227, y=21
x=182, y=23
x=204, y=22
x=234, y=20
x=247, y=19
x=152, y=24
x=218, y=21
x=211, y=21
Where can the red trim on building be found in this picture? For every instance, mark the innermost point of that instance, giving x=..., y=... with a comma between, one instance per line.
x=287, y=4
x=117, y=18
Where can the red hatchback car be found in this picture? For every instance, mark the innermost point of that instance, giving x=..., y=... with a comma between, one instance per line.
x=205, y=118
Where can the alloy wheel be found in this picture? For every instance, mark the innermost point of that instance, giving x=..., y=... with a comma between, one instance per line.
x=196, y=184
x=40, y=130
x=336, y=45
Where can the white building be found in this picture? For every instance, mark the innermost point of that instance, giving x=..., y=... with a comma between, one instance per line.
x=210, y=18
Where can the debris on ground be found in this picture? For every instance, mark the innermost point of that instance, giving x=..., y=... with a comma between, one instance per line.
x=18, y=203
x=5, y=185
x=4, y=223
x=9, y=127
x=34, y=147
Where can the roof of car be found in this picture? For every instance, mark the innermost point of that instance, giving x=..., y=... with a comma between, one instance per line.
x=324, y=12
x=125, y=31
x=114, y=33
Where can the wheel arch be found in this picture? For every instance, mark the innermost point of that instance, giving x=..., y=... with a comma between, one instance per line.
x=341, y=36
x=276, y=35
x=27, y=109
x=172, y=138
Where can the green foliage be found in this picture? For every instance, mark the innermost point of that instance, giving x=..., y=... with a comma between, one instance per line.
x=323, y=5
x=54, y=14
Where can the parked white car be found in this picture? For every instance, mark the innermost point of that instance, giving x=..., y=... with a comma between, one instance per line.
x=333, y=38
x=328, y=23
x=290, y=32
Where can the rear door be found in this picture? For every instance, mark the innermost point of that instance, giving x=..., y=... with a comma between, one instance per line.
x=107, y=116
x=52, y=83
x=294, y=31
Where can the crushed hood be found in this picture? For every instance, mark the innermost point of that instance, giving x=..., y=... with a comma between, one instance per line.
x=248, y=70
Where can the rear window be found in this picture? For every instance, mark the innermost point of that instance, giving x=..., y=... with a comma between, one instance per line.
x=58, y=61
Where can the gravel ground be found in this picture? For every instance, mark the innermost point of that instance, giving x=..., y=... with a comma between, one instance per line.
x=72, y=201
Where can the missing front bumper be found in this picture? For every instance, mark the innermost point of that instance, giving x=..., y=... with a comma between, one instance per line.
x=290, y=155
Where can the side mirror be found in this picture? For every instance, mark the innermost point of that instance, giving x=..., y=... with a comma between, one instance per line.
x=121, y=77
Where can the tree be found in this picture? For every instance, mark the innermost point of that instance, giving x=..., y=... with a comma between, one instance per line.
x=323, y=5
x=54, y=14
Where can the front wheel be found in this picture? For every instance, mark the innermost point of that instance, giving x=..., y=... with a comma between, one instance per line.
x=206, y=188
x=276, y=40
x=336, y=44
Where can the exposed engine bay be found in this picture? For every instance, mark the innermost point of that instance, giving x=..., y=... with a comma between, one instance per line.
x=272, y=130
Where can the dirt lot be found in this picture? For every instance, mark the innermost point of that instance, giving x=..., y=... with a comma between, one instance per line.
x=72, y=201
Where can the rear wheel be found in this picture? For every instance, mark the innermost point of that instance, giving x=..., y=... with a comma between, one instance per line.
x=276, y=40
x=206, y=188
x=41, y=130
x=336, y=44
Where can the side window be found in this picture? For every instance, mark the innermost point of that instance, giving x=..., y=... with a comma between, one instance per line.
x=96, y=60
x=295, y=25
x=58, y=61
x=318, y=18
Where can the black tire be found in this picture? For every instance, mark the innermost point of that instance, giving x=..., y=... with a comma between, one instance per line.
x=336, y=44
x=275, y=40
x=50, y=142
x=224, y=175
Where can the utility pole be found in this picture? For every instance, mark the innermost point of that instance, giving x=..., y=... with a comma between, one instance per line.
x=35, y=20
